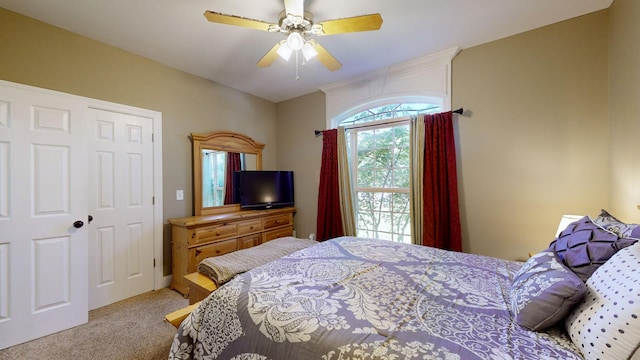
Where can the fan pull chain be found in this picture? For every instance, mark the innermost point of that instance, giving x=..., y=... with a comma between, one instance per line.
x=297, y=74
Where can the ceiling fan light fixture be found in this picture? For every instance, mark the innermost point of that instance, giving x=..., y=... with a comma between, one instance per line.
x=285, y=51
x=308, y=51
x=295, y=40
x=299, y=27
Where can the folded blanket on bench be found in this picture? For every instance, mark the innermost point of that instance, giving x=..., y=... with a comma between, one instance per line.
x=224, y=267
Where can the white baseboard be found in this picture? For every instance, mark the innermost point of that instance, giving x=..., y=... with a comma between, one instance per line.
x=164, y=282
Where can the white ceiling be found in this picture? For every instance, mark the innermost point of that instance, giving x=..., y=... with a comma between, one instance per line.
x=175, y=33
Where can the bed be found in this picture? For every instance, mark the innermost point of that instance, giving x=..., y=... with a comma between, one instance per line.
x=357, y=298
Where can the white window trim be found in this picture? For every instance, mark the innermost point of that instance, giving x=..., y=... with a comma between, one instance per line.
x=425, y=79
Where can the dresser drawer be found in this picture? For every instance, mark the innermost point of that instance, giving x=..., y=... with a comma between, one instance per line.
x=211, y=233
x=248, y=241
x=215, y=249
x=248, y=227
x=275, y=221
x=278, y=233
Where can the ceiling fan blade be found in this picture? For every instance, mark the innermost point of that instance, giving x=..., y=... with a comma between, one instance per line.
x=351, y=24
x=328, y=60
x=237, y=21
x=270, y=56
x=294, y=7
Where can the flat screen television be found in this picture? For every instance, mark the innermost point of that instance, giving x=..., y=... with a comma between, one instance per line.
x=263, y=189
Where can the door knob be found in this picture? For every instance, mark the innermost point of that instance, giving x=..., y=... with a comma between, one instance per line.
x=78, y=224
x=90, y=219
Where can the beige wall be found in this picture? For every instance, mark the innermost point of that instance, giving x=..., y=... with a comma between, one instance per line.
x=624, y=108
x=536, y=144
x=38, y=54
x=301, y=151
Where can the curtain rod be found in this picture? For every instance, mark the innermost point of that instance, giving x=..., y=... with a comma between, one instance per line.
x=457, y=111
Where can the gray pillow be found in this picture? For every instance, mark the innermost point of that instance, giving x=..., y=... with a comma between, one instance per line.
x=544, y=291
x=584, y=246
x=610, y=223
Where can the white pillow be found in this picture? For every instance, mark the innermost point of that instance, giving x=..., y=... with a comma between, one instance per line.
x=606, y=325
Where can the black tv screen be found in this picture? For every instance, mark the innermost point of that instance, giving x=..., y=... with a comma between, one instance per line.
x=263, y=189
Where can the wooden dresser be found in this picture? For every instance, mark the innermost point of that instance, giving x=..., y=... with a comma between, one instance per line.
x=195, y=238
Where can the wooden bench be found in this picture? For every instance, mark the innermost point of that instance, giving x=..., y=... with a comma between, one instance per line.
x=200, y=286
x=176, y=317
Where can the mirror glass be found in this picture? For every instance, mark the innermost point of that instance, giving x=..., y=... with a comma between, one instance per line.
x=214, y=166
x=211, y=153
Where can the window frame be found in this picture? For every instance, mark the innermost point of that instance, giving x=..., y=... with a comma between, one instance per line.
x=352, y=139
x=352, y=131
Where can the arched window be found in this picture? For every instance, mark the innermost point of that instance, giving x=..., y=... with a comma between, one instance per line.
x=375, y=109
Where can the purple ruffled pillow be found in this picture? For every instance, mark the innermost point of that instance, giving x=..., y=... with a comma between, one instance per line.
x=584, y=246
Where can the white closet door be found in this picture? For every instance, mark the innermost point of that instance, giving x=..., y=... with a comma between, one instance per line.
x=43, y=193
x=121, y=203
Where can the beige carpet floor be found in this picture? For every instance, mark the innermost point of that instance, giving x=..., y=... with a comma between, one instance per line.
x=129, y=329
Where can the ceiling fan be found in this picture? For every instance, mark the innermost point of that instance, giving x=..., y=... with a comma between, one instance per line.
x=299, y=27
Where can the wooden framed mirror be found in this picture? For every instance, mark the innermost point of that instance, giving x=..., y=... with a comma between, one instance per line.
x=210, y=151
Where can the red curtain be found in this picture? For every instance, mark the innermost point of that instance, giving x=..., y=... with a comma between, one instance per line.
x=441, y=222
x=329, y=223
x=233, y=165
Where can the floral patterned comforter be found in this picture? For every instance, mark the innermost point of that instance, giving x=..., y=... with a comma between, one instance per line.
x=354, y=298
